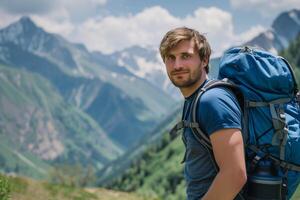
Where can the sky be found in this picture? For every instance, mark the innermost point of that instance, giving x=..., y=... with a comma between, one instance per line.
x=112, y=25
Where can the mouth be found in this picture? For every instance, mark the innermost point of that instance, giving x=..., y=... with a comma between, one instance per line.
x=178, y=73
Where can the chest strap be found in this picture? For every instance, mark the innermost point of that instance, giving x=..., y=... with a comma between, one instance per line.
x=180, y=125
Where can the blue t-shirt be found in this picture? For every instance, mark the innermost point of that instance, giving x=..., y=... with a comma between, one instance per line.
x=218, y=109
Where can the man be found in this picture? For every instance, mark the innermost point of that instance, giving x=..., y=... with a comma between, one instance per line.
x=186, y=55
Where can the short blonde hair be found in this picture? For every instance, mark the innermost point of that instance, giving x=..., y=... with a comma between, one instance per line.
x=174, y=36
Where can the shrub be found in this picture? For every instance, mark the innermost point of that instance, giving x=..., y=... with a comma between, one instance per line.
x=4, y=188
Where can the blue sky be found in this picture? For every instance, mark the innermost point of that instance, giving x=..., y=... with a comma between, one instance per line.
x=111, y=25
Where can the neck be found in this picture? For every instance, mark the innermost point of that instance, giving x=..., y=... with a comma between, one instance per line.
x=188, y=91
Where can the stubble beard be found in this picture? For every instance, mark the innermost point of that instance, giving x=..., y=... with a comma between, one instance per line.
x=193, y=78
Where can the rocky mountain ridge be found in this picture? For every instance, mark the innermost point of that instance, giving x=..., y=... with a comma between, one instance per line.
x=90, y=81
x=284, y=29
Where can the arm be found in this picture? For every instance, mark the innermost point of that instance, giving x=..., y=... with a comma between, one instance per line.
x=229, y=154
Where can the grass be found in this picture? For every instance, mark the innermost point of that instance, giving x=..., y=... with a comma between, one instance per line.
x=103, y=194
x=21, y=188
x=296, y=195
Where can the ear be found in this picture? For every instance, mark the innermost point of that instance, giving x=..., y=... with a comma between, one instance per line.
x=204, y=63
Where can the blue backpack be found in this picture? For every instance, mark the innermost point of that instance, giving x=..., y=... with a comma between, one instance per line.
x=266, y=88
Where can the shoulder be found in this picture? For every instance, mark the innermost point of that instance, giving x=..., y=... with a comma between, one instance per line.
x=218, y=108
x=218, y=97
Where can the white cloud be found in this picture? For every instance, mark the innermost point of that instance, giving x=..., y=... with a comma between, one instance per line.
x=99, y=2
x=77, y=10
x=81, y=10
x=249, y=34
x=266, y=7
x=216, y=24
x=64, y=27
x=113, y=33
x=148, y=27
x=7, y=18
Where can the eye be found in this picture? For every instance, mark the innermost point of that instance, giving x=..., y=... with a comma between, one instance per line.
x=170, y=58
x=185, y=56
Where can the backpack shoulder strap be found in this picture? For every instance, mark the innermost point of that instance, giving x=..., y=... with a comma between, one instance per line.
x=199, y=134
x=194, y=125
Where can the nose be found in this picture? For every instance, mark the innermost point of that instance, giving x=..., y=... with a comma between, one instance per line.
x=177, y=64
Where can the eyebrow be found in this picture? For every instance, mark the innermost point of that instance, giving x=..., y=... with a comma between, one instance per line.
x=187, y=53
x=181, y=53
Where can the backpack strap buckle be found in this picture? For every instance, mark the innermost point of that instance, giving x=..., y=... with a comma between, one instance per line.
x=174, y=131
x=180, y=125
x=284, y=189
x=259, y=155
x=247, y=49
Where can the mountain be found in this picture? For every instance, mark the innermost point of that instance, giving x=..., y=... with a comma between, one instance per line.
x=155, y=170
x=293, y=56
x=156, y=139
x=88, y=80
x=146, y=63
x=285, y=29
x=38, y=129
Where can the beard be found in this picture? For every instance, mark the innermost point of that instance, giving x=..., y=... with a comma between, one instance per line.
x=187, y=79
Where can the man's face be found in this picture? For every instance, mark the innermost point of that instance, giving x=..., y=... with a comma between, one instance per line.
x=184, y=66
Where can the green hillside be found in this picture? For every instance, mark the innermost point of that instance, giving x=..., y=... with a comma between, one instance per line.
x=37, y=129
x=19, y=188
x=152, y=140
x=154, y=170
x=158, y=173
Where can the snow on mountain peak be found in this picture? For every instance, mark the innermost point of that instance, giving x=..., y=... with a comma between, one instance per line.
x=147, y=66
x=294, y=16
x=270, y=35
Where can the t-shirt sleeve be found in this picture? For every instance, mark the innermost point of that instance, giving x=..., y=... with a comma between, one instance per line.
x=218, y=109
